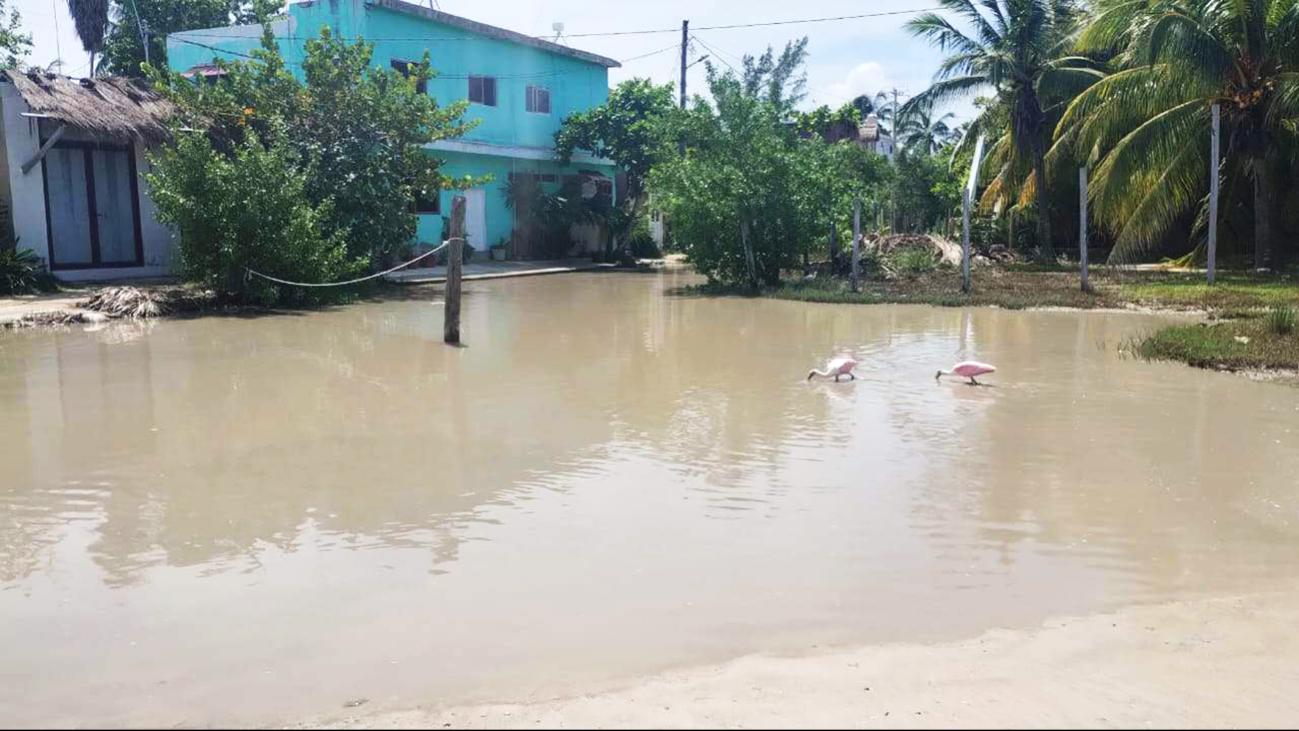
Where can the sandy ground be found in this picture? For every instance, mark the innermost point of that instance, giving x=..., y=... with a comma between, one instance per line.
x=1205, y=663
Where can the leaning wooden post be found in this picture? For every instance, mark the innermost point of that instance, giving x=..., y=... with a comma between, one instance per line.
x=1213, y=196
x=1082, y=227
x=856, y=243
x=451, y=312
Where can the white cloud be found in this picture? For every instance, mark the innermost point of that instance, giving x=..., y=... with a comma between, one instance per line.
x=864, y=78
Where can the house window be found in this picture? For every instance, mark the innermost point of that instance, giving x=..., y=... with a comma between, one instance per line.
x=406, y=68
x=430, y=202
x=482, y=90
x=539, y=99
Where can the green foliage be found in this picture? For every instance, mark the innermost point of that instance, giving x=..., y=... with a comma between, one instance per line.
x=746, y=175
x=1014, y=49
x=640, y=241
x=1174, y=63
x=913, y=261
x=779, y=81
x=1247, y=343
x=247, y=207
x=926, y=191
x=21, y=271
x=632, y=128
x=1281, y=321
x=124, y=49
x=14, y=44
x=831, y=126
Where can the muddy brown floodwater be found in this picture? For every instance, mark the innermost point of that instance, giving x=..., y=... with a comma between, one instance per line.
x=252, y=520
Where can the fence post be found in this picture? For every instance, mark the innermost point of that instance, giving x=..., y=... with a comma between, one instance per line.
x=1082, y=226
x=1213, y=196
x=451, y=311
x=965, y=240
x=856, y=243
x=834, y=247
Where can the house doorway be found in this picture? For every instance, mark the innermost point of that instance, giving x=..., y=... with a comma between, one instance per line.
x=92, y=206
x=476, y=218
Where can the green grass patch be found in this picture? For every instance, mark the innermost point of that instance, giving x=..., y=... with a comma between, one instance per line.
x=1232, y=291
x=1238, y=344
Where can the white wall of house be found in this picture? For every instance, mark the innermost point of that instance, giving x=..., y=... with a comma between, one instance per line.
x=26, y=197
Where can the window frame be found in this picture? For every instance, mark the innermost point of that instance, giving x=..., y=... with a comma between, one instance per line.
x=532, y=98
x=484, y=84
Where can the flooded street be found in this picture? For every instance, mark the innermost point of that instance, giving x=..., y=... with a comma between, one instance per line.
x=255, y=519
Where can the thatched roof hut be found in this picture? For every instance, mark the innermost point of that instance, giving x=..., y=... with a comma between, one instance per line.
x=112, y=107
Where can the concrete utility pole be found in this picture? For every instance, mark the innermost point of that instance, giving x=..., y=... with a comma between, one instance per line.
x=1082, y=227
x=685, y=33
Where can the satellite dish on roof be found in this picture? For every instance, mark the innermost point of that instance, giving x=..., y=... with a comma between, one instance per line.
x=558, y=27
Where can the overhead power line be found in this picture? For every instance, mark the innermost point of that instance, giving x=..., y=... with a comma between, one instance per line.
x=601, y=34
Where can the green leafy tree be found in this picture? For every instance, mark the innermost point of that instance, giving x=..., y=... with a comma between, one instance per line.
x=247, y=207
x=781, y=81
x=123, y=46
x=750, y=196
x=632, y=128
x=1016, y=48
x=728, y=198
x=14, y=44
x=1148, y=123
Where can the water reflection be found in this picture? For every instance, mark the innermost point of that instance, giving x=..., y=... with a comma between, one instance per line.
x=608, y=479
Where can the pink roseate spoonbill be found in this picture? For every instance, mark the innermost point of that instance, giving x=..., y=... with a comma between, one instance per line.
x=837, y=367
x=968, y=369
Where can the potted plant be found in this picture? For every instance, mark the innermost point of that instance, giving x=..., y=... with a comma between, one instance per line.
x=498, y=251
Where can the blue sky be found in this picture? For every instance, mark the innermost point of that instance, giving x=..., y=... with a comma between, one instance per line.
x=847, y=57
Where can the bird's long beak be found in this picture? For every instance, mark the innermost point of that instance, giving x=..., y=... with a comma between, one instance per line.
x=938, y=375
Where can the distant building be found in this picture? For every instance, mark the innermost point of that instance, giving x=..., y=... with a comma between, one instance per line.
x=872, y=135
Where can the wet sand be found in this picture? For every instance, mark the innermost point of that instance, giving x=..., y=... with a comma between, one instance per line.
x=1227, y=662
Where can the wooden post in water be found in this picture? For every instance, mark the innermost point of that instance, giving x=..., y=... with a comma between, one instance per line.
x=856, y=243
x=1213, y=196
x=451, y=312
x=1082, y=227
x=965, y=240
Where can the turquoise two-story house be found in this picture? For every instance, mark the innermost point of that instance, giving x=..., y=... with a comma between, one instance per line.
x=519, y=87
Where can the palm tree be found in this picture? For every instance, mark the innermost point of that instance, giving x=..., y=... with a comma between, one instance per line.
x=91, y=20
x=918, y=129
x=1014, y=48
x=1148, y=125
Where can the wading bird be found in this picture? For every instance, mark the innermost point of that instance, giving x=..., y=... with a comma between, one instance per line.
x=837, y=367
x=967, y=369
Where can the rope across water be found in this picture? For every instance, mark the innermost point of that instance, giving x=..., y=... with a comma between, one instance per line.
x=277, y=280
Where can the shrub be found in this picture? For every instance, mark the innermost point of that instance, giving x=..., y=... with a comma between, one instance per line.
x=247, y=210
x=640, y=242
x=914, y=261
x=21, y=272
x=1281, y=320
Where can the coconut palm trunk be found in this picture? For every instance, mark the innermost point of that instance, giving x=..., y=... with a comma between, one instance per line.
x=1045, y=248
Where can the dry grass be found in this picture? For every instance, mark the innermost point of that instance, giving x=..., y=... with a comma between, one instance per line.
x=129, y=302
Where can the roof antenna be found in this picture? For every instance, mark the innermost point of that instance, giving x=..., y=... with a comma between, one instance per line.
x=559, y=32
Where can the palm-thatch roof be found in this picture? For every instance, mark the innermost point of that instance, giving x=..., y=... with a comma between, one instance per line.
x=112, y=107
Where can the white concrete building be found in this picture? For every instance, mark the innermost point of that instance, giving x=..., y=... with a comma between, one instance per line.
x=72, y=170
